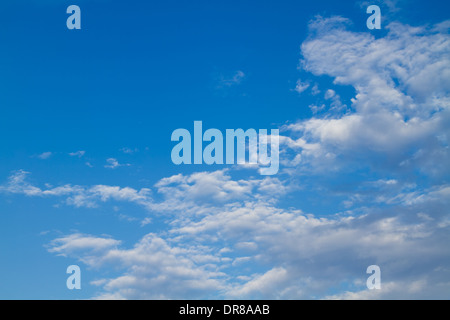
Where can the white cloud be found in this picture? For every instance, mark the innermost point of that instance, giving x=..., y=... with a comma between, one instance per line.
x=390, y=291
x=45, y=155
x=129, y=150
x=308, y=255
x=112, y=163
x=146, y=221
x=315, y=90
x=193, y=194
x=237, y=238
x=78, y=242
x=236, y=79
x=263, y=285
x=402, y=106
x=301, y=86
x=78, y=154
x=78, y=196
x=155, y=270
x=330, y=94
x=305, y=255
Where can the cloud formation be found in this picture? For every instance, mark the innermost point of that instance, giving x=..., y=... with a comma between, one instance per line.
x=226, y=236
x=112, y=163
x=401, y=107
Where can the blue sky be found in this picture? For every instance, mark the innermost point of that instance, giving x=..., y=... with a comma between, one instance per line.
x=86, y=176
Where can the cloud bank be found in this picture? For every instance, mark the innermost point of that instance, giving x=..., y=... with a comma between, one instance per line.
x=229, y=237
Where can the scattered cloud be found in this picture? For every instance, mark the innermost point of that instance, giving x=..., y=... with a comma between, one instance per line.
x=156, y=269
x=401, y=109
x=226, y=236
x=301, y=86
x=78, y=196
x=209, y=238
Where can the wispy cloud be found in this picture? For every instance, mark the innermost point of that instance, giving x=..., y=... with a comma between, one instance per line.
x=301, y=86
x=78, y=154
x=236, y=79
x=165, y=271
x=112, y=163
x=210, y=237
x=399, y=110
x=75, y=195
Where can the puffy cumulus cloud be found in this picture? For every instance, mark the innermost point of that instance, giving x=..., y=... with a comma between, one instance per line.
x=304, y=255
x=401, y=109
x=220, y=252
x=154, y=268
x=316, y=254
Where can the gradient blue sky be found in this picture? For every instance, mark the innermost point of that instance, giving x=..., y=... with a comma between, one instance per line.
x=86, y=176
